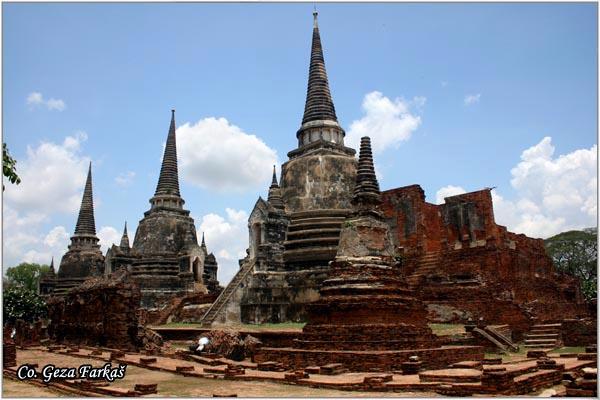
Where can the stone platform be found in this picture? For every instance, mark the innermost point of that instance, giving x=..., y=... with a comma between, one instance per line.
x=368, y=361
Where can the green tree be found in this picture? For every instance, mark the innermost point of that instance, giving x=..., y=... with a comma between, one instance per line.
x=21, y=303
x=576, y=253
x=27, y=275
x=9, y=166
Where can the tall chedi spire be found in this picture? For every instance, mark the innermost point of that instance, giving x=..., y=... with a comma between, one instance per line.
x=319, y=122
x=319, y=105
x=168, y=182
x=85, y=228
x=85, y=222
x=83, y=257
x=167, y=190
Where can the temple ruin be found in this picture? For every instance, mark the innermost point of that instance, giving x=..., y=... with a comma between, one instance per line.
x=165, y=260
x=83, y=258
x=461, y=263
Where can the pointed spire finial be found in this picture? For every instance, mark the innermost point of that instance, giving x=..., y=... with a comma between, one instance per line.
x=52, y=263
x=86, y=225
x=203, y=242
x=319, y=105
x=315, y=14
x=124, y=239
x=274, y=180
x=168, y=182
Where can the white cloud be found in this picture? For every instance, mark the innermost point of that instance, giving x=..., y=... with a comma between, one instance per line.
x=227, y=238
x=125, y=179
x=25, y=241
x=37, y=99
x=217, y=155
x=472, y=99
x=56, y=104
x=56, y=237
x=388, y=122
x=448, y=191
x=52, y=178
x=108, y=236
x=553, y=194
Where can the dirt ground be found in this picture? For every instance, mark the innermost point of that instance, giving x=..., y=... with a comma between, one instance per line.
x=173, y=385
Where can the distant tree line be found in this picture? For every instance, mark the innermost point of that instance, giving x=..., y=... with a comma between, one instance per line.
x=576, y=253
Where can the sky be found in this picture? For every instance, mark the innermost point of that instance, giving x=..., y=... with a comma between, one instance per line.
x=455, y=97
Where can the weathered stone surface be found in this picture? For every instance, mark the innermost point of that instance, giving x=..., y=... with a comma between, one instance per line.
x=168, y=260
x=579, y=332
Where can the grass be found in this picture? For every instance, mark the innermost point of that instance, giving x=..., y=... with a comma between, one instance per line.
x=265, y=327
x=251, y=327
x=447, y=329
x=522, y=353
x=179, y=325
x=574, y=349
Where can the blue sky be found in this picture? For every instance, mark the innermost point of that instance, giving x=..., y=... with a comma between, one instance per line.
x=460, y=97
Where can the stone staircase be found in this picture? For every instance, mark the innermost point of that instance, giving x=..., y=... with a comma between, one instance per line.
x=155, y=270
x=219, y=304
x=497, y=333
x=428, y=264
x=313, y=236
x=64, y=285
x=545, y=336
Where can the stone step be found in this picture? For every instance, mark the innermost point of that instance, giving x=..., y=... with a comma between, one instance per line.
x=313, y=233
x=428, y=264
x=543, y=332
x=316, y=253
x=542, y=336
x=546, y=326
x=540, y=341
x=311, y=225
x=328, y=212
x=317, y=221
x=328, y=240
x=539, y=346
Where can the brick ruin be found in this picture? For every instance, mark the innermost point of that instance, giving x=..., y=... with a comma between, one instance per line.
x=460, y=262
x=165, y=260
x=464, y=265
x=100, y=312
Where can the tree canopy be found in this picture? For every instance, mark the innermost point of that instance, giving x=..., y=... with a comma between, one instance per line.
x=22, y=303
x=9, y=166
x=26, y=275
x=576, y=253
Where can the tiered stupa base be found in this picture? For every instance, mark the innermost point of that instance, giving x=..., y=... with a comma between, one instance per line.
x=160, y=280
x=368, y=360
x=364, y=306
x=366, y=318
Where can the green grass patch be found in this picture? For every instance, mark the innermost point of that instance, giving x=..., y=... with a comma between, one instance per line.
x=179, y=325
x=567, y=349
x=239, y=327
x=447, y=329
x=266, y=327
